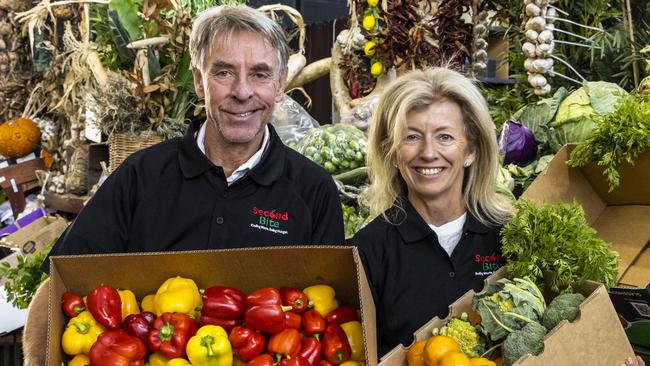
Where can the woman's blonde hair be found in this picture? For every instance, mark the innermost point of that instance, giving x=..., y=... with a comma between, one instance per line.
x=417, y=90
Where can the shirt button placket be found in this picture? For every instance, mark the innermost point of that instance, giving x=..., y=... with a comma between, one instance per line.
x=219, y=220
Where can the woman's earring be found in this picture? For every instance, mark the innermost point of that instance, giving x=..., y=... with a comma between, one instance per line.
x=467, y=163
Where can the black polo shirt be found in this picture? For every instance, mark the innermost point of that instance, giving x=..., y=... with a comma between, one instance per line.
x=172, y=197
x=411, y=276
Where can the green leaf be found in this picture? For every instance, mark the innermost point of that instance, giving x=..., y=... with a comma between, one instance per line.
x=121, y=38
x=127, y=12
x=184, y=77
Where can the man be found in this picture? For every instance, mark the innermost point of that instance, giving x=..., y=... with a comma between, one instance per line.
x=230, y=182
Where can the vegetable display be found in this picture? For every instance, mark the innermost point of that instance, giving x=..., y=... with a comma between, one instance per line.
x=617, y=138
x=556, y=237
x=337, y=148
x=311, y=330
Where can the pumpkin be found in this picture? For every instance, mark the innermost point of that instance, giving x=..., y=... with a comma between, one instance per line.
x=18, y=137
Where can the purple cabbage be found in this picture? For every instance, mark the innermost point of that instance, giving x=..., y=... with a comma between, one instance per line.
x=517, y=144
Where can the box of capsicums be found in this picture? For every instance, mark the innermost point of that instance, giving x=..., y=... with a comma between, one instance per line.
x=272, y=300
x=511, y=322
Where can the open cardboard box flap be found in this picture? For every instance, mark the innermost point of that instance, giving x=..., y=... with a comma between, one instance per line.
x=596, y=337
x=247, y=269
x=621, y=217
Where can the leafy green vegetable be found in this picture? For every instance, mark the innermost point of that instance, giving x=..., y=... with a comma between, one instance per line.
x=506, y=306
x=23, y=279
x=537, y=116
x=556, y=237
x=618, y=138
x=574, y=120
x=563, y=307
x=528, y=340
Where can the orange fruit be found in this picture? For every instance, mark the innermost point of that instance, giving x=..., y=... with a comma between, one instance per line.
x=453, y=358
x=436, y=347
x=415, y=354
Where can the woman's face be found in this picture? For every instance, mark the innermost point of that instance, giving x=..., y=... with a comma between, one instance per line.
x=433, y=152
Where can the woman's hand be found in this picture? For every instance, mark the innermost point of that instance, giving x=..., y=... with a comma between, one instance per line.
x=631, y=361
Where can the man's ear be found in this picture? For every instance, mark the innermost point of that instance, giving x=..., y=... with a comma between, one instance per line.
x=281, y=85
x=198, y=83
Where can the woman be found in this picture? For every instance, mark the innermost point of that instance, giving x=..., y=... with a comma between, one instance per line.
x=432, y=159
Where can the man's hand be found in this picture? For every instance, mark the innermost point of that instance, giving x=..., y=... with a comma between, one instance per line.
x=35, y=331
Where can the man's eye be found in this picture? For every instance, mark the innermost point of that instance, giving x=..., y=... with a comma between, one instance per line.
x=222, y=74
x=261, y=76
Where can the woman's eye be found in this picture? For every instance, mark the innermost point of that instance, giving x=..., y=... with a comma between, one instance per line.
x=446, y=137
x=411, y=137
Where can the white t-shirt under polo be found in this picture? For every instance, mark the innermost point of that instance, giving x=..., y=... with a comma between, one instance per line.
x=449, y=234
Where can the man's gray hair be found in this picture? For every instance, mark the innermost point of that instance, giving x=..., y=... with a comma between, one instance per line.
x=221, y=22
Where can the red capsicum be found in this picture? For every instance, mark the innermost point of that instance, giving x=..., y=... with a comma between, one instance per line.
x=336, y=347
x=117, y=348
x=261, y=360
x=286, y=343
x=264, y=311
x=294, y=361
x=72, y=304
x=105, y=305
x=222, y=306
x=310, y=350
x=246, y=342
x=292, y=320
x=324, y=362
x=295, y=298
x=313, y=323
x=342, y=314
x=169, y=334
x=139, y=325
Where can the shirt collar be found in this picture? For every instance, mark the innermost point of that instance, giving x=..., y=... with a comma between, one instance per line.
x=194, y=162
x=249, y=164
x=412, y=227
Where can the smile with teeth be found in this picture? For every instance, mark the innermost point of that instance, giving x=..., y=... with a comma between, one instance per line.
x=245, y=114
x=428, y=171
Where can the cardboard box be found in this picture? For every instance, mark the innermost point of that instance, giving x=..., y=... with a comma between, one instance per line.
x=596, y=337
x=32, y=238
x=621, y=217
x=247, y=269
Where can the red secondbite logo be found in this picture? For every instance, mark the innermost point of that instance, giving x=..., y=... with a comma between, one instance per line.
x=284, y=216
x=489, y=263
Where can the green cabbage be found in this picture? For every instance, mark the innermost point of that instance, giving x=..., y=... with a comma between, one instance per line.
x=574, y=119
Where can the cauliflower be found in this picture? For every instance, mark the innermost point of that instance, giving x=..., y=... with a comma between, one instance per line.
x=465, y=334
x=529, y=339
x=566, y=306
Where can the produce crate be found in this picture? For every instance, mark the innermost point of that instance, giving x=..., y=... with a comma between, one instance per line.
x=596, y=337
x=247, y=269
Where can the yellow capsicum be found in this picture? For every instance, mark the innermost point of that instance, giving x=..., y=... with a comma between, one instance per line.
x=156, y=359
x=350, y=363
x=79, y=360
x=149, y=303
x=210, y=347
x=321, y=297
x=80, y=334
x=178, y=362
x=354, y=332
x=178, y=295
x=129, y=303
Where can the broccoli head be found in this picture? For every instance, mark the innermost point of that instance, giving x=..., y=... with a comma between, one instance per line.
x=465, y=334
x=529, y=339
x=566, y=306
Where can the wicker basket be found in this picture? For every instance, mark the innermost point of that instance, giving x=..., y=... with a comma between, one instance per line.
x=121, y=145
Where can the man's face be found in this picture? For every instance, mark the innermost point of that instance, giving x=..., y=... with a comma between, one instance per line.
x=240, y=82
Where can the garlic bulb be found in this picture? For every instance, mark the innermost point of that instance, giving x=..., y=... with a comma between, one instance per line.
x=538, y=45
